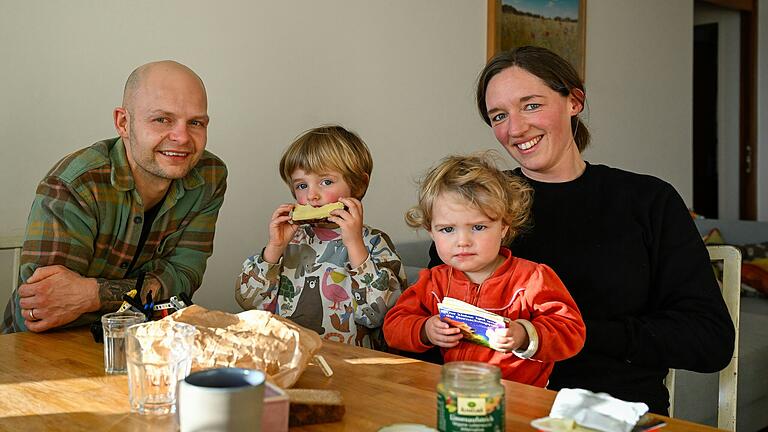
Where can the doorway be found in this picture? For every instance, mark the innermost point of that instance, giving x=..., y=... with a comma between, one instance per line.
x=706, y=188
x=724, y=109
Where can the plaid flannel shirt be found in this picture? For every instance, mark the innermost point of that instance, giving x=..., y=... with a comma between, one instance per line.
x=87, y=216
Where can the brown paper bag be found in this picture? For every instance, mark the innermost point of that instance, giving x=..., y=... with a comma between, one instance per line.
x=251, y=339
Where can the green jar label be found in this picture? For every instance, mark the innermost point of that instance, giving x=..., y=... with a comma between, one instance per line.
x=470, y=414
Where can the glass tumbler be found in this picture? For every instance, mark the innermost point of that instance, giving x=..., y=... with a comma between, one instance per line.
x=159, y=355
x=114, y=326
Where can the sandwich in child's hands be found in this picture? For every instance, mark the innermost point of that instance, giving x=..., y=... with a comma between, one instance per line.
x=308, y=214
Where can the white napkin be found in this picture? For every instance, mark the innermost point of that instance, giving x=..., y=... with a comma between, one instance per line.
x=599, y=411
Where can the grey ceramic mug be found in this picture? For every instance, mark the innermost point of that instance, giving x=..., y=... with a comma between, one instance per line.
x=221, y=400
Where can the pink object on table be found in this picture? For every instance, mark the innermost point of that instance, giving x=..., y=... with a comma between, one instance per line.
x=274, y=417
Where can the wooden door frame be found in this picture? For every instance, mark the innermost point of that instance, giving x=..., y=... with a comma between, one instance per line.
x=747, y=104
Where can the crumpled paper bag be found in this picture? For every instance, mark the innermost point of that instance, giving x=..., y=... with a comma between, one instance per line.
x=252, y=339
x=593, y=411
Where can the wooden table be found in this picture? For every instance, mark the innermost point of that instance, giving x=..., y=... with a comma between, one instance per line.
x=56, y=381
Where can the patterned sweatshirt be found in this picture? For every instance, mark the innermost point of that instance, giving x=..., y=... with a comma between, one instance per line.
x=314, y=285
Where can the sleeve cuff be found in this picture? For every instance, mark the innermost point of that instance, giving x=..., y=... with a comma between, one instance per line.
x=268, y=265
x=367, y=266
x=533, y=340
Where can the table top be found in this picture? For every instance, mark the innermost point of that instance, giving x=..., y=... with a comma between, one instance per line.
x=56, y=381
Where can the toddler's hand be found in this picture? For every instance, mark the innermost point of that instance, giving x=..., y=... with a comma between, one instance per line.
x=281, y=232
x=509, y=339
x=350, y=220
x=440, y=333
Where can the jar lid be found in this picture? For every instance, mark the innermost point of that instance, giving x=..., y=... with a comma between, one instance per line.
x=469, y=373
x=407, y=427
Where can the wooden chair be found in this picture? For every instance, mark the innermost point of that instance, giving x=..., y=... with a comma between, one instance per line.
x=13, y=243
x=731, y=287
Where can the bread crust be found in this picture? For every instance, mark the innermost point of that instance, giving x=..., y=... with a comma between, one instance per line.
x=311, y=406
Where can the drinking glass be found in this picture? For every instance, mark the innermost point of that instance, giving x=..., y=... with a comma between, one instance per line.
x=114, y=325
x=159, y=355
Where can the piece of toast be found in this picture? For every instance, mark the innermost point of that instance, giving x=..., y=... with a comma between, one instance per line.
x=310, y=406
x=308, y=214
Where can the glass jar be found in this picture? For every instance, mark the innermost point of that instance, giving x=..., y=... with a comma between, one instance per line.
x=470, y=397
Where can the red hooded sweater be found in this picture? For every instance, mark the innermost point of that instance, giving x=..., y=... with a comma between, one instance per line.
x=518, y=289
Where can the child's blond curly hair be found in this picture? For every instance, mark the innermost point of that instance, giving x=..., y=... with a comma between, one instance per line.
x=330, y=148
x=476, y=179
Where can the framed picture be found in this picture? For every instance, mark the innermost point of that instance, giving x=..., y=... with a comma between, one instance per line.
x=559, y=25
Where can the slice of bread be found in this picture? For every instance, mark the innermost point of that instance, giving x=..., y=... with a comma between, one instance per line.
x=308, y=214
x=310, y=406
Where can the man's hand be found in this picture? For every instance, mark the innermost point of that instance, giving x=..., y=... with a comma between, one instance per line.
x=55, y=296
x=440, y=333
x=350, y=220
x=509, y=339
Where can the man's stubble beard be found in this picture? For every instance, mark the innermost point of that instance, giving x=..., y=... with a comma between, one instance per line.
x=149, y=167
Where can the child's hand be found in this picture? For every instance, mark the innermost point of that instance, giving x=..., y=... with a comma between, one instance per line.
x=440, y=333
x=281, y=231
x=510, y=338
x=350, y=220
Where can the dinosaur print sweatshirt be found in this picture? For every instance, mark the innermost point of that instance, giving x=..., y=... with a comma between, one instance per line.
x=314, y=286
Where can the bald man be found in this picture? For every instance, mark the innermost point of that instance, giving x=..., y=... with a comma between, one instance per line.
x=146, y=201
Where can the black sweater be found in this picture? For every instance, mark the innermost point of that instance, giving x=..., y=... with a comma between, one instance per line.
x=627, y=250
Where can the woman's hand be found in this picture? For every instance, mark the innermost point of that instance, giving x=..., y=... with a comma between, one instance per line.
x=281, y=232
x=350, y=220
x=440, y=333
x=509, y=339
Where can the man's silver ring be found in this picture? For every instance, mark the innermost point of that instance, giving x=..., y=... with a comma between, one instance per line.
x=32, y=314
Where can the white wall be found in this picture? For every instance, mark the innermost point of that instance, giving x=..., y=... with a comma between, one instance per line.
x=400, y=73
x=639, y=66
x=728, y=94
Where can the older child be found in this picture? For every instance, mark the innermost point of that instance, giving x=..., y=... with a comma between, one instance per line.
x=338, y=277
x=469, y=208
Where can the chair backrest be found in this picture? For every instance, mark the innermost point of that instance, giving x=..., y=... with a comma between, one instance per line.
x=13, y=243
x=731, y=286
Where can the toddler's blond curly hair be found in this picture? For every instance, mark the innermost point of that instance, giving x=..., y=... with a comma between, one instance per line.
x=476, y=179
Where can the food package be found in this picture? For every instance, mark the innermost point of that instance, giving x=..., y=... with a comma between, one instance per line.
x=252, y=339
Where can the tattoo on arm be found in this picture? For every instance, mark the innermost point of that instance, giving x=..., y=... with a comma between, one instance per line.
x=111, y=291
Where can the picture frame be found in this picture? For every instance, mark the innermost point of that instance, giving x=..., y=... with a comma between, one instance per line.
x=558, y=25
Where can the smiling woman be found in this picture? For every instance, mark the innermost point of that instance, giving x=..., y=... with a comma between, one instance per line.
x=623, y=243
x=525, y=113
